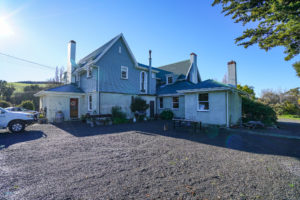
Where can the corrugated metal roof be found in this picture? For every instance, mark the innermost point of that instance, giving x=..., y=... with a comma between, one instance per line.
x=186, y=85
x=172, y=88
x=66, y=88
x=178, y=68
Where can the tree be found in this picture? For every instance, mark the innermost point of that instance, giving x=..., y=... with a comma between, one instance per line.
x=56, y=78
x=61, y=74
x=247, y=89
x=138, y=105
x=278, y=23
x=6, y=90
x=296, y=66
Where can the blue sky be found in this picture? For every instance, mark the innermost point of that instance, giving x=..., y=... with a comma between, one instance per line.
x=40, y=30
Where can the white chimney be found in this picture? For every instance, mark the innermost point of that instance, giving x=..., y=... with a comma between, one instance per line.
x=193, y=58
x=71, y=60
x=193, y=73
x=232, y=80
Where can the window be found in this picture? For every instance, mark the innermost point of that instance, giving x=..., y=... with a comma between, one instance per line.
x=161, y=102
x=124, y=72
x=120, y=49
x=203, y=104
x=153, y=75
x=169, y=79
x=90, y=105
x=143, y=81
x=89, y=72
x=175, y=102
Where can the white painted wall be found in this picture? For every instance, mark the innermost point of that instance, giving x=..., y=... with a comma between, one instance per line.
x=217, y=108
x=168, y=105
x=56, y=103
x=235, y=107
x=109, y=100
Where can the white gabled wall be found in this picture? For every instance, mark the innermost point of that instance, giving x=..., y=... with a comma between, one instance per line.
x=217, y=108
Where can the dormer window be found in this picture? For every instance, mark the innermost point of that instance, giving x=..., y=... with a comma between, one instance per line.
x=124, y=72
x=89, y=72
x=169, y=79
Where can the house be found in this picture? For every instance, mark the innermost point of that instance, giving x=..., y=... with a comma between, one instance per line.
x=111, y=76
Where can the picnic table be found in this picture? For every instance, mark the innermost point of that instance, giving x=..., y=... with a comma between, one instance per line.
x=179, y=122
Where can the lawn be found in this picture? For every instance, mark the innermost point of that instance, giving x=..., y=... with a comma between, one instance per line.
x=295, y=117
x=20, y=86
x=142, y=161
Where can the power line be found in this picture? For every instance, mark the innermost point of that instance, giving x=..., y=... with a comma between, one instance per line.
x=28, y=61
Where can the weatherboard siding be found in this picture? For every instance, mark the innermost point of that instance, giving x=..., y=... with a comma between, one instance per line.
x=89, y=84
x=110, y=72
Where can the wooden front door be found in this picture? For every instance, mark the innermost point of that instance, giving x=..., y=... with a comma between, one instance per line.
x=152, y=109
x=73, y=108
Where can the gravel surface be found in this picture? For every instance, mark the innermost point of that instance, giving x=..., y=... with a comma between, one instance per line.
x=141, y=161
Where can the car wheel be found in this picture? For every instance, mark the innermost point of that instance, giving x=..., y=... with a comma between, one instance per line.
x=16, y=126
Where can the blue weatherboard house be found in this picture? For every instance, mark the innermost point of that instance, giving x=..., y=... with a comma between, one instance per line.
x=110, y=76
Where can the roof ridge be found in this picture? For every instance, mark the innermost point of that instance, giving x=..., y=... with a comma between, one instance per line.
x=111, y=40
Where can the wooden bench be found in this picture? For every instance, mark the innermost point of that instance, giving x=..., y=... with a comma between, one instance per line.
x=101, y=118
x=179, y=122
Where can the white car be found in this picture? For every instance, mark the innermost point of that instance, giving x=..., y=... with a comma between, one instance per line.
x=15, y=121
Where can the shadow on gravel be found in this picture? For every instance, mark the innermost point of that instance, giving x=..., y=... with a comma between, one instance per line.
x=7, y=138
x=213, y=136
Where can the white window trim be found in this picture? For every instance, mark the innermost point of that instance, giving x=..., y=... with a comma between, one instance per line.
x=124, y=68
x=90, y=106
x=145, y=81
x=162, y=103
x=173, y=103
x=202, y=101
x=89, y=69
x=153, y=75
x=167, y=82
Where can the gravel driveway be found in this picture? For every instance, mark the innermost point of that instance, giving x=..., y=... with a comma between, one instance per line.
x=141, y=161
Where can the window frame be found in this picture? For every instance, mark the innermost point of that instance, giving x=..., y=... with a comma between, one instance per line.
x=124, y=68
x=145, y=85
x=198, y=104
x=120, y=49
x=167, y=81
x=90, y=102
x=161, y=103
x=153, y=75
x=89, y=72
x=175, y=102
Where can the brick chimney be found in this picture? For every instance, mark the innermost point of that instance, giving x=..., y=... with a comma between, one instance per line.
x=232, y=80
x=71, y=60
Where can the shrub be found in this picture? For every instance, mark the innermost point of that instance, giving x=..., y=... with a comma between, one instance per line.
x=117, y=113
x=253, y=110
x=4, y=104
x=166, y=114
x=138, y=104
x=27, y=105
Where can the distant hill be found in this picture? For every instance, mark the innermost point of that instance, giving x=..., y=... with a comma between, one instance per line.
x=35, y=82
x=20, y=86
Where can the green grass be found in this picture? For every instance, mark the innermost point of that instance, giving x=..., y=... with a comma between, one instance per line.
x=297, y=117
x=20, y=86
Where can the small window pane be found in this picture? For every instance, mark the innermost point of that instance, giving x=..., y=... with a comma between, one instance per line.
x=161, y=102
x=175, y=102
x=203, y=106
x=203, y=97
x=170, y=79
